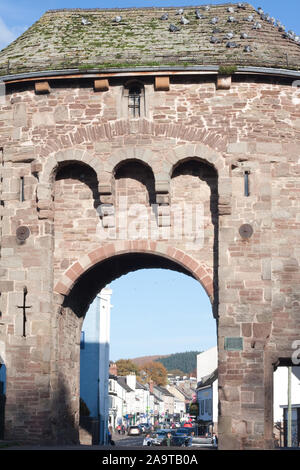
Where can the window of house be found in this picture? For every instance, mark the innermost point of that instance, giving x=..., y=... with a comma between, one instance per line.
x=134, y=102
x=134, y=93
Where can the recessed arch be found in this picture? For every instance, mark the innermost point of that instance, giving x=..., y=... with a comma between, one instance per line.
x=142, y=253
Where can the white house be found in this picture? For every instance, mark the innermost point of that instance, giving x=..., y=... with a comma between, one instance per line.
x=280, y=402
x=207, y=389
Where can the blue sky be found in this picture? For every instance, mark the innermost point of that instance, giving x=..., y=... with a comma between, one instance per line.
x=158, y=311
x=17, y=15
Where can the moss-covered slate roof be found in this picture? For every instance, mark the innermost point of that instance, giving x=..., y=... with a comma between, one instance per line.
x=59, y=40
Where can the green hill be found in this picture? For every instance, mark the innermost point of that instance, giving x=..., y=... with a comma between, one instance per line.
x=185, y=361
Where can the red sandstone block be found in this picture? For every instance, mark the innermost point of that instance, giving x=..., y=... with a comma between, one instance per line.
x=97, y=255
x=61, y=288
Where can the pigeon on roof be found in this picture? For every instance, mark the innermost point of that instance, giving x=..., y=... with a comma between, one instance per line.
x=214, y=20
x=179, y=12
x=216, y=31
x=184, y=20
x=173, y=28
x=85, y=22
x=257, y=26
x=165, y=16
x=117, y=19
x=231, y=19
x=260, y=11
x=247, y=48
x=232, y=45
x=206, y=8
x=198, y=15
x=230, y=10
x=242, y=6
x=214, y=40
x=249, y=18
x=244, y=36
x=229, y=35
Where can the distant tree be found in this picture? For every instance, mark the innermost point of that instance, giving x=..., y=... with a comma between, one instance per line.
x=126, y=367
x=154, y=371
x=186, y=361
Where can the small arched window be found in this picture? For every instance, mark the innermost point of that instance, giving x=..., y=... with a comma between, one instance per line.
x=134, y=101
x=135, y=95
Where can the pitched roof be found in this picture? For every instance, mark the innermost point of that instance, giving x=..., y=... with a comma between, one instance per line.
x=163, y=391
x=122, y=381
x=59, y=40
x=208, y=380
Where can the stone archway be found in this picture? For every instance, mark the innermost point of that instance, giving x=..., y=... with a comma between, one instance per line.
x=75, y=291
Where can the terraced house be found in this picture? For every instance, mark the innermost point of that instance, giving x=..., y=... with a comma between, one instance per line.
x=189, y=115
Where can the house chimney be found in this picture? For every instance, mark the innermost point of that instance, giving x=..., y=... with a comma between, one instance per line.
x=113, y=370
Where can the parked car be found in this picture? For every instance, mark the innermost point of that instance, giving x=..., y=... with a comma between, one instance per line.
x=178, y=441
x=186, y=431
x=134, y=431
x=202, y=441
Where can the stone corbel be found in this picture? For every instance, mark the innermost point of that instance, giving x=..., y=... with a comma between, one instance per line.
x=224, y=82
x=162, y=83
x=42, y=88
x=101, y=84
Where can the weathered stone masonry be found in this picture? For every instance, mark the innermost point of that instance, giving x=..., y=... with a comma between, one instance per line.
x=71, y=148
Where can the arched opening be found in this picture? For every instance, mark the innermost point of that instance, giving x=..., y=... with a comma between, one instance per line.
x=82, y=294
x=135, y=180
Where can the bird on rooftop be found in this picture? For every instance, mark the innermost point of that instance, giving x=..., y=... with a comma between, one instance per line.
x=198, y=15
x=173, y=28
x=179, y=12
x=260, y=10
x=249, y=18
x=85, y=22
x=244, y=36
x=242, y=6
x=214, y=40
x=230, y=10
x=247, y=49
x=165, y=16
x=117, y=19
x=183, y=20
x=206, y=8
x=231, y=19
x=214, y=20
x=229, y=35
x=257, y=26
x=231, y=45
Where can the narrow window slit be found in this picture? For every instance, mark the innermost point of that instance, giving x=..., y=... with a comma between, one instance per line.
x=22, y=195
x=246, y=183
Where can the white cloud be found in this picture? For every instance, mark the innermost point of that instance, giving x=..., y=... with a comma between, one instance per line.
x=8, y=35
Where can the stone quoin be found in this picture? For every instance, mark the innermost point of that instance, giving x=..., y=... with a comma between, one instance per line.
x=98, y=110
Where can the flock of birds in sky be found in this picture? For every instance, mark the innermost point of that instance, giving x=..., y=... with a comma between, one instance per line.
x=231, y=20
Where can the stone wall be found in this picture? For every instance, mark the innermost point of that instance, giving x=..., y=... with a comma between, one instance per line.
x=75, y=149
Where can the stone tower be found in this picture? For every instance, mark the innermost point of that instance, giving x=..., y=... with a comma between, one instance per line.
x=106, y=119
